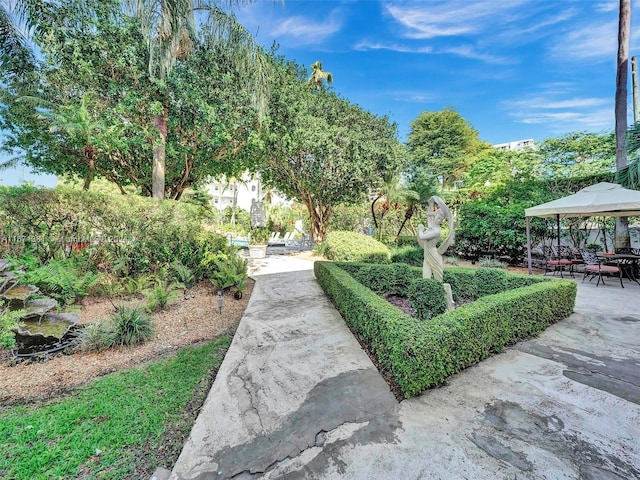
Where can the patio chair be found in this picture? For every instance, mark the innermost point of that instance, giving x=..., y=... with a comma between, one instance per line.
x=593, y=266
x=553, y=262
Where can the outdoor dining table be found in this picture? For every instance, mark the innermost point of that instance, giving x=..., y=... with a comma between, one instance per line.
x=627, y=262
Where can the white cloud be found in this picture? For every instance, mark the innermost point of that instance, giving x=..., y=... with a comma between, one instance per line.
x=412, y=96
x=589, y=42
x=308, y=31
x=456, y=17
x=605, y=7
x=560, y=114
x=468, y=51
x=395, y=47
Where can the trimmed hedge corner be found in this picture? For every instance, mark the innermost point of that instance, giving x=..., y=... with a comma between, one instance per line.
x=421, y=354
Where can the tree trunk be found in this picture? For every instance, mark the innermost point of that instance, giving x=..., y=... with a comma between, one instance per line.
x=407, y=216
x=90, y=157
x=319, y=217
x=624, y=25
x=159, y=152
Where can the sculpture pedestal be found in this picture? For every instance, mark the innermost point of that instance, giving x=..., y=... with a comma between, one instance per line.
x=448, y=297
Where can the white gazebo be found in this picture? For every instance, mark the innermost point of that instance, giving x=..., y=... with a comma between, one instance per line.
x=604, y=199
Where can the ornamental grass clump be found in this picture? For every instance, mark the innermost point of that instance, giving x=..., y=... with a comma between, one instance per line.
x=131, y=326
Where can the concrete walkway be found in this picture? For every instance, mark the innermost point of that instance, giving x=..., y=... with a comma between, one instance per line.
x=296, y=397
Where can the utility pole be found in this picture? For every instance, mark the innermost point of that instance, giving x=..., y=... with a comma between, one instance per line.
x=634, y=86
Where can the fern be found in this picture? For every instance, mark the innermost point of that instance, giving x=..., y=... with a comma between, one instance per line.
x=62, y=279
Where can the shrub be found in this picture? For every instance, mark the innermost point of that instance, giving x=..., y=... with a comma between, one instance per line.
x=394, y=279
x=489, y=281
x=488, y=262
x=97, y=336
x=412, y=255
x=355, y=247
x=160, y=296
x=418, y=355
x=131, y=326
x=427, y=298
x=8, y=322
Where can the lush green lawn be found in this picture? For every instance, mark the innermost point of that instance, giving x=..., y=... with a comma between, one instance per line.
x=121, y=426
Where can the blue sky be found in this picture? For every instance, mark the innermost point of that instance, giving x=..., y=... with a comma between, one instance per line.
x=514, y=69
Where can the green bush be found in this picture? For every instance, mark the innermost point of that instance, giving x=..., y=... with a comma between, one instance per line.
x=489, y=281
x=412, y=255
x=97, y=336
x=393, y=279
x=427, y=298
x=160, y=296
x=131, y=326
x=355, y=247
x=8, y=322
x=418, y=355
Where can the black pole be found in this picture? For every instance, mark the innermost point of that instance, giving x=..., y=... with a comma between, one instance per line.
x=528, y=244
x=558, y=225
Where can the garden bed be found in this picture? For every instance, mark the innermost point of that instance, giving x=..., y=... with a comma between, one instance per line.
x=417, y=354
x=191, y=319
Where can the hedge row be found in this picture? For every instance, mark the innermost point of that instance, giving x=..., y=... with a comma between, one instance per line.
x=355, y=247
x=418, y=354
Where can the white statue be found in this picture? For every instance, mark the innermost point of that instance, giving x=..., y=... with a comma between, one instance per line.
x=428, y=239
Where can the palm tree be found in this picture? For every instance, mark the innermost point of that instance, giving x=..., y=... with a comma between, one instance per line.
x=16, y=56
x=624, y=25
x=318, y=75
x=169, y=26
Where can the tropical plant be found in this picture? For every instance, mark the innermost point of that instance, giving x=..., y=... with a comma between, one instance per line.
x=183, y=274
x=131, y=326
x=160, y=296
x=8, y=322
x=229, y=270
x=259, y=236
x=321, y=149
x=65, y=280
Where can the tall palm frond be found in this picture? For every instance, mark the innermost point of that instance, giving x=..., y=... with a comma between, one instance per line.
x=15, y=54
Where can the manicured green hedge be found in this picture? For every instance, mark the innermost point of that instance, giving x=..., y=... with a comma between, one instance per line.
x=410, y=254
x=355, y=247
x=422, y=354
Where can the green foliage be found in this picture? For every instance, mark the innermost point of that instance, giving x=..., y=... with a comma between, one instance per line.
x=441, y=144
x=97, y=336
x=355, y=247
x=489, y=262
x=321, y=149
x=419, y=355
x=160, y=296
x=259, y=236
x=228, y=270
x=65, y=280
x=131, y=326
x=125, y=415
x=427, y=298
x=578, y=154
x=183, y=274
x=8, y=322
x=394, y=279
x=412, y=255
x=489, y=281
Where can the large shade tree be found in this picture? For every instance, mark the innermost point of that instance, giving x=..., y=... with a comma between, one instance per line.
x=169, y=26
x=321, y=149
x=94, y=100
x=443, y=144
